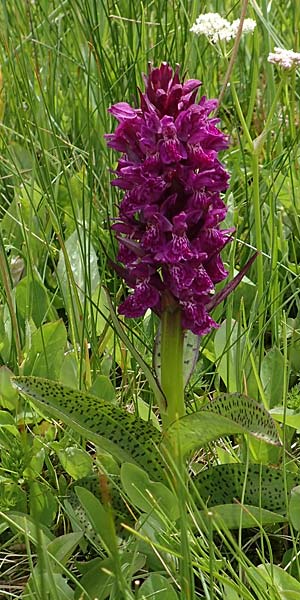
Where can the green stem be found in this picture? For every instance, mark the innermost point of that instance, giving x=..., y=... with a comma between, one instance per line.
x=172, y=365
x=234, y=52
x=173, y=388
x=258, y=240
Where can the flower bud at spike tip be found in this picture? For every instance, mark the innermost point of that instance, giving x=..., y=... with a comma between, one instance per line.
x=168, y=227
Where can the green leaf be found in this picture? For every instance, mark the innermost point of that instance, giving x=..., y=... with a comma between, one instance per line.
x=62, y=547
x=68, y=374
x=8, y=422
x=272, y=377
x=47, y=350
x=101, y=488
x=43, y=503
x=147, y=495
x=80, y=253
x=226, y=354
x=146, y=413
x=126, y=437
x=231, y=590
x=27, y=526
x=37, y=461
x=228, y=414
x=12, y=496
x=158, y=587
x=258, y=485
x=99, y=315
x=288, y=417
x=294, y=507
x=277, y=580
x=8, y=394
x=99, y=518
x=233, y=516
x=43, y=582
x=77, y=271
x=103, y=388
x=29, y=201
x=5, y=333
x=75, y=461
x=99, y=580
x=33, y=301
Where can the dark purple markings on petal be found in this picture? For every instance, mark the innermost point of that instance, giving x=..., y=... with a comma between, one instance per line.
x=179, y=223
x=144, y=296
x=177, y=249
x=212, y=241
x=208, y=105
x=215, y=215
x=154, y=236
x=203, y=283
x=126, y=140
x=125, y=255
x=171, y=151
x=180, y=277
x=196, y=318
x=215, y=180
x=199, y=158
x=215, y=269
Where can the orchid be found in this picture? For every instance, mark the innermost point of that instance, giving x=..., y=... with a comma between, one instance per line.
x=168, y=227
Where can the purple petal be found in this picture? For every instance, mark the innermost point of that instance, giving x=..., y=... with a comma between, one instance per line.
x=144, y=296
x=123, y=111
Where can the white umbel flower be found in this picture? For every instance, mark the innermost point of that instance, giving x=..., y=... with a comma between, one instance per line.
x=213, y=26
x=248, y=26
x=284, y=58
x=216, y=28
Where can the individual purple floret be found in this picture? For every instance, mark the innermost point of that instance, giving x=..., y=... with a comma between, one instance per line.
x=168, y=228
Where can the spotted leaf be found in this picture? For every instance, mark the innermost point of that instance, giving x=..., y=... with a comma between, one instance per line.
x=257, y=484
x=125, y=436
x=227, y=415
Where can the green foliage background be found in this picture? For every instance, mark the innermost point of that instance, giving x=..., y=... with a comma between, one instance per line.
x=63, y=63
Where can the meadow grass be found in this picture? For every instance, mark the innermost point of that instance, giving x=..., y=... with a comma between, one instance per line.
x=63, y=63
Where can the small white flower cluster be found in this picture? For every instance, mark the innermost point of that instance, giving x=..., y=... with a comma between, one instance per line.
x=284, y=58
x=248, y=26
x=217, y=29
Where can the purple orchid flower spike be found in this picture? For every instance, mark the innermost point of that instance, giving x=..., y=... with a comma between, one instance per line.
x=168, y=227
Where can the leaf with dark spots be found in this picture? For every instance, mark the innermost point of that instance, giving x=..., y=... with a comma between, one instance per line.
x=125, y=436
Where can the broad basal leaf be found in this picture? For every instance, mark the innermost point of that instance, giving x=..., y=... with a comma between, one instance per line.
x=277, y=580
x=233, y=516
x=158, y=587
x=122, y=434
x=229, y=414
x=148, y=495
x=47, y=349
x=257, y=485
x=95, y=485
